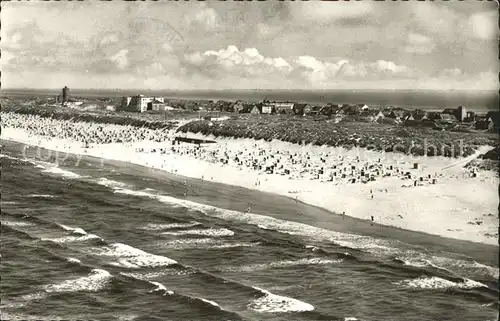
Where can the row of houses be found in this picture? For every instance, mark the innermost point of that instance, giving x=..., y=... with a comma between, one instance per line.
x=359, y=112
x=362, y=112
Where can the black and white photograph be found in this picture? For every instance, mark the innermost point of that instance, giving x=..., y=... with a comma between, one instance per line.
x=249, y=160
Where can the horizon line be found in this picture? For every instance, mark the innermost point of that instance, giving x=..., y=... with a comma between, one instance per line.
x=249, y=89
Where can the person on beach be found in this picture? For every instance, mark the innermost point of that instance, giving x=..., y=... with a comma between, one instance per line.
x=343, y=215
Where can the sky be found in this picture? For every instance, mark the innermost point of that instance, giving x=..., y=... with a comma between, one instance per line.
x=250, y=45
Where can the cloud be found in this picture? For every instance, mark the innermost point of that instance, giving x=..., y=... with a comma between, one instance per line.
x=203, y=16
x=434, y=18
x=301, y=71
x=419, y=44
x=454, y=72
x=120, y=58
x=324, y=11
x=484, y=25
x=230, y=60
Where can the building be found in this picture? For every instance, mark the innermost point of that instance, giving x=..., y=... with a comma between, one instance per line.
x=238, y=106
x=470, y=116
x=255, y=110
x=459, y=113
x=484, y=123
x=495, y=118
x=447, y=118
x=280, y=107
x=298, y=109
x=268, y=109
x=156, y=105
x=372, y=115
x=139, y=103
x=65, y=95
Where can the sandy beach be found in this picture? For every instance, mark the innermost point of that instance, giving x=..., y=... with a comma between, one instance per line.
x=439, y=197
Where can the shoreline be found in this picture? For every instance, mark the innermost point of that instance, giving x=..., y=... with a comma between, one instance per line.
x=352, y=197
x=235, y=198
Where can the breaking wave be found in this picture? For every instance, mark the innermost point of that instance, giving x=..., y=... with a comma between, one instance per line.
x=131, y=257
x=12, y=223
x=273, y=303
x=94, y=282
x=160, y=287
x=431, y=283
x=159, y=227
x=62, y=172
x=280, y=264
x=111, y=183
x=203, y=232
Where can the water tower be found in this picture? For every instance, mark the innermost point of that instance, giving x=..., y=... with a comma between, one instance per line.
x=65, y=93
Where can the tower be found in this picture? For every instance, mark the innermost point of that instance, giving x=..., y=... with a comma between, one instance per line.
x=65, y=93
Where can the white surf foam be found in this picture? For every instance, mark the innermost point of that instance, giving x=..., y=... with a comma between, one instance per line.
x=209, y=302
x=202, y=243
x=457, y=266
x=62, y=172
x=72, y=229
x=8, y=203
x=290, y=227
x=71, y=238
x=8, y=157
x=273, y=303
x=160, y=287
x=42, y=196
x=21, y=301
x=111, y=183
x=364, y=243
x=430, y=283
x=25, y=317
x=12, y=223
x=73, y=260
x=131, y=257
x=159, y=227
x=95, y=281
x=232, y=245
x=280, y=264
x=146, y=276
x=219, y=232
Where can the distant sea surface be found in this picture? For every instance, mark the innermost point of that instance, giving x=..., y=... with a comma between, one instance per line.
x=474, y=100
x=113, y=242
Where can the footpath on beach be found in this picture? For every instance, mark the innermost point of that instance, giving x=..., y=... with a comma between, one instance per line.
x=435, y=195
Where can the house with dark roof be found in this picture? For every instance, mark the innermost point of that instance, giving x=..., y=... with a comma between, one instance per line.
x=326, y=110
x=255, y=110
x=396, y=114
x=460, y=113
x=298, y=108
x=156, y=105
x=447, y=118
x=495, y=118
x=484, y=123
x=371, y=115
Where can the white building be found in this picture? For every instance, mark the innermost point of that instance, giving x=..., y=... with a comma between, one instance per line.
x=139, y=102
